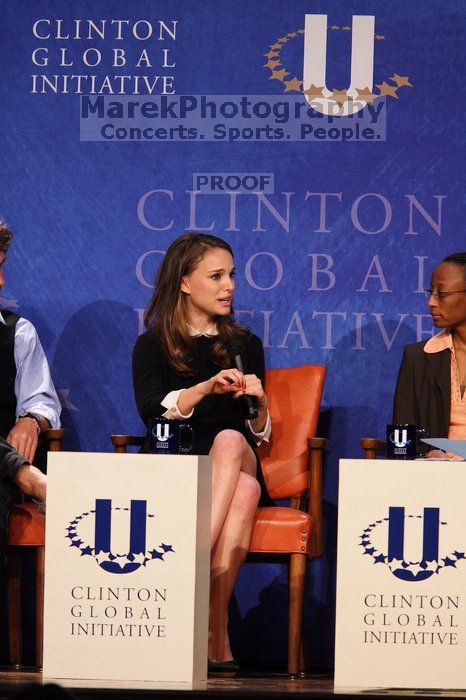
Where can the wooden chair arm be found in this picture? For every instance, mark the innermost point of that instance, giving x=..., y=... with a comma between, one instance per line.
x=53, y=437
x=121, y=442
x=316, y=443
x=316, y=447
x=372, y=447
x=313, y=503
x=316, y=460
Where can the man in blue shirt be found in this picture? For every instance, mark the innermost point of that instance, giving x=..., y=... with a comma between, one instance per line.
x=28, y=400
x=28, y=404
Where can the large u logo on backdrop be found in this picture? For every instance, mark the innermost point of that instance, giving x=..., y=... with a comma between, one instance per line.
x=315, y=63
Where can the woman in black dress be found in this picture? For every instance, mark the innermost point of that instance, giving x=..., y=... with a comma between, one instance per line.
x=182, y=370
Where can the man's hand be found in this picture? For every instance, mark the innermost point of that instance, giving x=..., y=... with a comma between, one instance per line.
x=32, y=482
x=23, y=437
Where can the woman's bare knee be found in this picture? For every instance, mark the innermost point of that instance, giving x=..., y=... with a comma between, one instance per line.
x=229, y=443
x=230, y=449
x=247, y=492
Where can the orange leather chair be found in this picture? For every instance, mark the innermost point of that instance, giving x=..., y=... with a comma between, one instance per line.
x=27, y=529
x=292, y=468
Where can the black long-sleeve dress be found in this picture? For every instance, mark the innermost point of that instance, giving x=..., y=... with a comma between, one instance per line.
x=154, y=378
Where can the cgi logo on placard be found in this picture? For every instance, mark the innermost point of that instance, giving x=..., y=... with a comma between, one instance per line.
x=389, y=534
x=335, y=103
x=80, y=529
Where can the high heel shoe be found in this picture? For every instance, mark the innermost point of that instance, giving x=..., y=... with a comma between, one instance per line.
x=223, y=666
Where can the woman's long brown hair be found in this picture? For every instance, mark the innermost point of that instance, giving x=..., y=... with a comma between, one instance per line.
x=166, y=313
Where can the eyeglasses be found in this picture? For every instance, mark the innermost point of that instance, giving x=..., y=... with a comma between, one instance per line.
x=441, y=295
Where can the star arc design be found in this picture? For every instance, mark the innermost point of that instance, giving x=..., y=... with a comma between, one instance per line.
x=337, y=96
x=414, y=568
x=119, y=561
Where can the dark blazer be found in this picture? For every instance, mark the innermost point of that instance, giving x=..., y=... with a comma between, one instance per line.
x=10, y=463
x=10, y=460
x=423, y=389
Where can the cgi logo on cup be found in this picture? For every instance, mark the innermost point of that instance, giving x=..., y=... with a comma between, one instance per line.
x=163, y=432
x=386, y=542
x=91, y=534
x=400, y=437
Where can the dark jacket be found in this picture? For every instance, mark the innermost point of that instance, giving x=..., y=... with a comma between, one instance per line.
x=10, y=463
x=7, y=372
x=10, y=460
x=423, y=389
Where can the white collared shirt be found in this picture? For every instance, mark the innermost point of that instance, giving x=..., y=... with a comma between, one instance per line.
x=209, y=333
x=33, y=387
x=170, y=401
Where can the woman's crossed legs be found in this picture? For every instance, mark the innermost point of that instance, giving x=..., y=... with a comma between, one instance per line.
x=235, y=495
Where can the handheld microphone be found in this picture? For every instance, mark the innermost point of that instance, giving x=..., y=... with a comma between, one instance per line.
x=248, y=403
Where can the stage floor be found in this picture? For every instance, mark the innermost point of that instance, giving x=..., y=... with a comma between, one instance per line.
x=242, y=686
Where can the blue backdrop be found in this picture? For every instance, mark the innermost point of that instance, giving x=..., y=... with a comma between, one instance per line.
x=331, y=277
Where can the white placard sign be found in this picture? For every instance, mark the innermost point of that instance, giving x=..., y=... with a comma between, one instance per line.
x=401, y=575
x=127, y=569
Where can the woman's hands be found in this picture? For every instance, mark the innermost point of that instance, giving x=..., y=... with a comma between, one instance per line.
x=227, y=381
x=253, y=387
x=440, y=454
x=232, y=381
x=436, y=454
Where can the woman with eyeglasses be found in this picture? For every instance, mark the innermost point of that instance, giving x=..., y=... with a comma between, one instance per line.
x=431, y=386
